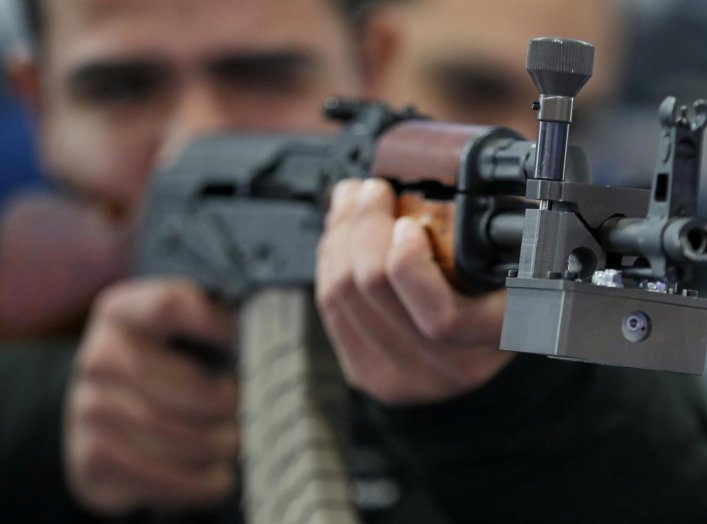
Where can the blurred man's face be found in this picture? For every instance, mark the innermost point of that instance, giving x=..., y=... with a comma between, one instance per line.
x=123, y=81
x=465, y=59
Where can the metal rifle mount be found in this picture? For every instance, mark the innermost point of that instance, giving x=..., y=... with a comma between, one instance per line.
x=600, y=267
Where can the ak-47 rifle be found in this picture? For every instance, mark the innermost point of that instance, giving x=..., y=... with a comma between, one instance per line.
x=593, y=273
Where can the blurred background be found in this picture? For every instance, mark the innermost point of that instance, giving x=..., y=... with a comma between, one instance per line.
x=666, y=54
x=18, y=166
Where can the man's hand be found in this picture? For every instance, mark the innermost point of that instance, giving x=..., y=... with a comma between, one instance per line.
x=145, y=425
x=402, y=333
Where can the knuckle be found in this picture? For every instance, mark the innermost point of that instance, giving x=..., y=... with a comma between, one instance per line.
x=109, y=303
x=341, y=289
x=165, y=305
x=94, y=461
x=97, y=359
x=373, y=281
x=344, y=286
x=94, y=361
x=89, y=409
x=442, y=326
x=90, y=362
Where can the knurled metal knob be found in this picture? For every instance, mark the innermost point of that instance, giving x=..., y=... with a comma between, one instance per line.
x=560, y=66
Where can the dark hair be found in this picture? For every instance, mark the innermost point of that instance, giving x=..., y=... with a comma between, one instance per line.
x=355, y=13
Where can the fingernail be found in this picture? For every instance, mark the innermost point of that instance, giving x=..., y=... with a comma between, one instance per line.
x=340, y=194
x=403, y=230
x=369, y=191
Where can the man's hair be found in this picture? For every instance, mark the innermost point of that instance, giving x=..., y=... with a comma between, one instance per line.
x=355, y=13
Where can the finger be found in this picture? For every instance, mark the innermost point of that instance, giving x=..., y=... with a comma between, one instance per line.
x=440, y=312
x=362, y=358
x=390, y=325
x=163, y=377
x=371, y=236
x=333, y=268
x=377, y=352
x=161, y=308
x=117, y=475
x=335, y=287
x=370, y=240
x=162, y=434
x=343, y=202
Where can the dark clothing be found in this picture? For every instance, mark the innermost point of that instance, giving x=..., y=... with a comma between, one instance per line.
x=545, y=441
x=553, y=441
x=32, y=384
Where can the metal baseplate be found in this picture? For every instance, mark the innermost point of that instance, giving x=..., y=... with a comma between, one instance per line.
x=604, y=325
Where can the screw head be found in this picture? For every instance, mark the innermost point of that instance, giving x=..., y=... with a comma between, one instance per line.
x=636, y=326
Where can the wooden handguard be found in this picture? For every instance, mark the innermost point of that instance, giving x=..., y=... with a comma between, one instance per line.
x=415, y=152
x=437, y=217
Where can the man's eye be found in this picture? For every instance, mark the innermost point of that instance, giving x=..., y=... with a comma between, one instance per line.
x=117, y=91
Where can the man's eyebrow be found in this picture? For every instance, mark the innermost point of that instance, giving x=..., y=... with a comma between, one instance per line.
x=474, y=80
x=263, y=62
x=107, y=69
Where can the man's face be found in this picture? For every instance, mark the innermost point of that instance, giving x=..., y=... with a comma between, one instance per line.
x=464, y=60
x=123, y=81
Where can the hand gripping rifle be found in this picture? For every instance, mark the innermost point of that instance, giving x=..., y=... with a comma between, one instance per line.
x=593, y=273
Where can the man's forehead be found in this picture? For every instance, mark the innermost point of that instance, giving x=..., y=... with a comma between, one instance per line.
x=498, y=27
x=236, y=13
x=493, y=34
x=81, y=29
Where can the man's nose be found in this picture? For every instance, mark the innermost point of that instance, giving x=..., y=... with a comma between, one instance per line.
x=197, y=111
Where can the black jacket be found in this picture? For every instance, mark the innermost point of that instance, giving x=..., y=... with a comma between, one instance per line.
x=546, y=441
